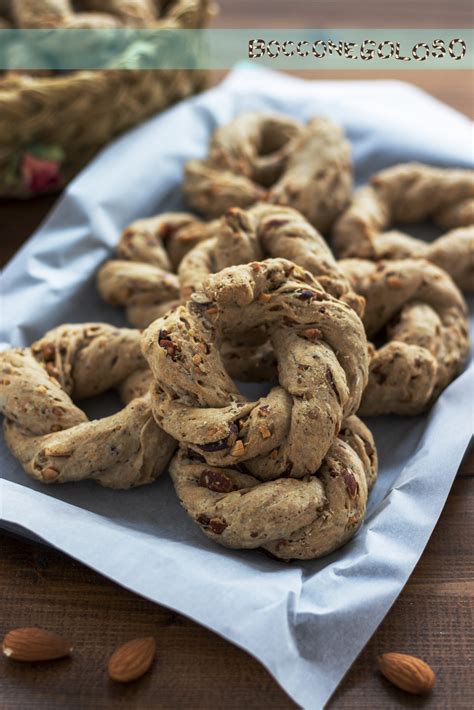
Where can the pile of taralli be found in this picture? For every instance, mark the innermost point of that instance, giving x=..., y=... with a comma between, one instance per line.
x=256, y=295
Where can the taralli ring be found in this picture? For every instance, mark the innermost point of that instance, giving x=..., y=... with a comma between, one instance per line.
x=142, y=278
x=52, y=437
x=321, y=350
x=264, y=231
x=423, y=316
x=408, y=194
x=290, y=518
x=142, y=281
x=269, y=157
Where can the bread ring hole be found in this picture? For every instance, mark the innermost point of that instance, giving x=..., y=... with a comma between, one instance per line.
x=254, y=390
x=102, y=405
x=426, y=231
x=272, y=139
x=79, y=6
x=163, y=6
x=259, y=382
x=381, y=338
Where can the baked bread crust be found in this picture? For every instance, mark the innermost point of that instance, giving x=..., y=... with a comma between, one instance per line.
x=424, y=316
x=290, y=518
x=261, y=232
x=260, y=156
x=142, y=278
x=52, y=437
x=321, y=351
x=410, y=193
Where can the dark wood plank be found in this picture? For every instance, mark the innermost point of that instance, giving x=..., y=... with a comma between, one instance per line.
x=197, y=669
x=18, y=221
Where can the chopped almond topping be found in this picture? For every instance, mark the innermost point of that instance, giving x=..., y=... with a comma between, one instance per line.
x=265, y=431
x=49, y=474
x=238, y=448
x=48, y=351
x=312, y=333
x=51, y=370
x=394, y=281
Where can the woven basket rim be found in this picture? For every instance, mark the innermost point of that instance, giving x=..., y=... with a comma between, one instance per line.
x=44, y=141
x=23, y=83
x=12, y=85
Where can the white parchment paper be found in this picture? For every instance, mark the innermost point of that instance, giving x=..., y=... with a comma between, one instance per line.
x=306, y=622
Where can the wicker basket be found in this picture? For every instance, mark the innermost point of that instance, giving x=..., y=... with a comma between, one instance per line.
x=51, y=126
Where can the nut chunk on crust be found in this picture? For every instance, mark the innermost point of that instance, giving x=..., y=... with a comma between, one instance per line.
x=291, y=518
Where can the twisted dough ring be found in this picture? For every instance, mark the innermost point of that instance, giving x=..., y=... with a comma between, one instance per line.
x=52, y=437
x=149, y=250
x=321, y=350
x=290, y=518
x=407, y=194
x=141, y=279
x=93, y=14
x=269, y=157
x=426, y=326
x=242, y=236
x=263, y=231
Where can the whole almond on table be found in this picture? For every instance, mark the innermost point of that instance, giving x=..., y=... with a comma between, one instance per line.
x=35, y=644
x=407, y=672
x=132, y=660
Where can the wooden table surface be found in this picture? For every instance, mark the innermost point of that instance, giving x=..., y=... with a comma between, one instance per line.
x=195, y=668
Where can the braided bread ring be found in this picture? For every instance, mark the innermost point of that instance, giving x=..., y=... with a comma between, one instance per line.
x=52, y=437
x=242, y=236
x=322, y=356
x=292, y=519
x=407, y=194
x=427, y=331
x=239, y=237
x=141, y=279
x=258, y=233
x=260, y=156
x=99, y=13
